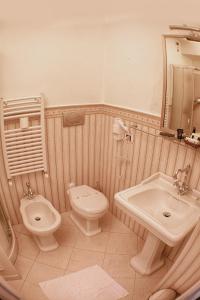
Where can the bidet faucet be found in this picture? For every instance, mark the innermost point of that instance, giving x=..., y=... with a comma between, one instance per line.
x=29, y=193
x=181, y=185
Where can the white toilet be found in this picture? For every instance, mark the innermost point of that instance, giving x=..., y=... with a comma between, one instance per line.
x=42, y=220
x=88, y=206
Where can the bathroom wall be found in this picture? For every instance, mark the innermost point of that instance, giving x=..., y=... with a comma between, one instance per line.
x=89, y=155
x=88, y=51
x=148, y=154
x=5, y=243
x=73, y=156
x=62, y=59
x=134, y=64
x=78, y=61
x=116, y=60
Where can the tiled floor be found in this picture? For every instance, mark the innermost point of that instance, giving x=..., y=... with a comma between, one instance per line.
x=111, y=249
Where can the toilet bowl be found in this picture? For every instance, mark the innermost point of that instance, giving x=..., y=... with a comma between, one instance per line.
x=88, y=206
x=42, y=220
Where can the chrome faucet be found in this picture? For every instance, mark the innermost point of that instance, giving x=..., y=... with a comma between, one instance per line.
x=182, y=185
x=29, y=193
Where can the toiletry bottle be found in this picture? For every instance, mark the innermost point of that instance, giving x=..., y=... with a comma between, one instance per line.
x=180, y=133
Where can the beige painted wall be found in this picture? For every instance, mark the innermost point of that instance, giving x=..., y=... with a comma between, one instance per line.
x=134, y=64
x=62, y=60
x=88, y=51
x=116, y=61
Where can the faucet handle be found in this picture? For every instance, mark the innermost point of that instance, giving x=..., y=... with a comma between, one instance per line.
x=29, y=193
x=187, y=168
x=28, y=184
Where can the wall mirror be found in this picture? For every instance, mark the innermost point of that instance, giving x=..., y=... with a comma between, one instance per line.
x=181, y=86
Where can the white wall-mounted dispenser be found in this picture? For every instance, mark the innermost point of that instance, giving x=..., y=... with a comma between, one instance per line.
x=119, y=129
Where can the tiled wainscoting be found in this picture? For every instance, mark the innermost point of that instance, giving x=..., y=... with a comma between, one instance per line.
x=89, y=155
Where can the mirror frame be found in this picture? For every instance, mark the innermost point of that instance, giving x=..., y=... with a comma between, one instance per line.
x=164, y=36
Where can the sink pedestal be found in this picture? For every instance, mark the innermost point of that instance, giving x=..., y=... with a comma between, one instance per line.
x=150, y=258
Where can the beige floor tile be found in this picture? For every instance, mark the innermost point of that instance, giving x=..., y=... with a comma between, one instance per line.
x=118, y=226
x=23, y=266
x=106, y=222
x=41, y=272
x=118, y=265
x=58, y=258
x=16, y=284
x=112, y=249
x=141, y=292
x=20, y=228
x=27, y=246
x=127, y=284
x=122, y=243
x=145, y=284
x=66, y=235
x=128, y=297
x=94, y=243
x=156, y=275
x=142, y=289
x=32, y=292
x=81, y=259
x=65, y=218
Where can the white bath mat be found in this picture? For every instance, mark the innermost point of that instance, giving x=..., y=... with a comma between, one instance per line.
x=92, y=283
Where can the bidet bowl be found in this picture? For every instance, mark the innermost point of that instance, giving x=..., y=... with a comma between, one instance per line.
x=39, y=216
x=42, y=220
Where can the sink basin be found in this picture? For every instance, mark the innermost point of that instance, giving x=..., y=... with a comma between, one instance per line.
x=156, y=205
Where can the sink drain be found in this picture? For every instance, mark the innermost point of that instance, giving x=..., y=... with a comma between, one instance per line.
x=166, y=214
x=37, y=218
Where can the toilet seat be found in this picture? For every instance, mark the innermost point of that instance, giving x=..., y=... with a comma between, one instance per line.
x=87, y=200
x=88, y=206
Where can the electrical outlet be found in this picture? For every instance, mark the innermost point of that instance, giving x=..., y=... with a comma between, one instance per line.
x=129, y=137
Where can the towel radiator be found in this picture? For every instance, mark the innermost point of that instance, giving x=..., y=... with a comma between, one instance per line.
x=23, y=143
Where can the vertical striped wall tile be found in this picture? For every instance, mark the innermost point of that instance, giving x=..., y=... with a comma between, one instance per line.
x=72, y=154
x=149, y=153
x=180, y=160
x=86, y=142
x=173, y=152
x=52, y=162
x=194, y=179
x=142, y=154
x=98, y=142
x=136, y=155
x=91, y=150
x=58, y=142
x=79, y=154
x=157, y=155
x=66, y=164
x=164, y=156
x=8, y=195
x=89, y=154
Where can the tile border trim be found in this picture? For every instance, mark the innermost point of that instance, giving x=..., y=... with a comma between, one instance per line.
x=115, y=111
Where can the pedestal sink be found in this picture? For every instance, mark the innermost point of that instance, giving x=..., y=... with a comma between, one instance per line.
x=167, y=216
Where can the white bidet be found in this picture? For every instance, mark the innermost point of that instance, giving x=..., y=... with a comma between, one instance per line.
x=42, y=220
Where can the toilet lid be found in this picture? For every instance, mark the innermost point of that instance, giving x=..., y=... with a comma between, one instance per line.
x=88, y=199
